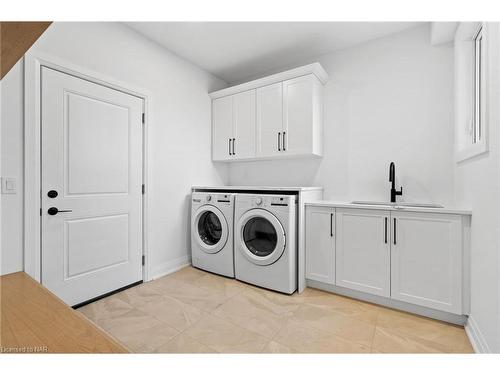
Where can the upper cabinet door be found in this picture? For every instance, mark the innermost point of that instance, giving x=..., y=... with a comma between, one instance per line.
x=270, y=120
x=363, y=250
x=222, y=128
x=426, y=260
x=243, y=143
x=302, y=113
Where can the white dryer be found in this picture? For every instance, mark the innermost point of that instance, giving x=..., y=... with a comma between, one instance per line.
x=212, y=232
x=265, y=242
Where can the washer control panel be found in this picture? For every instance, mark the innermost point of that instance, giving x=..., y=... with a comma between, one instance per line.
x=212, y=198
x=272, y=200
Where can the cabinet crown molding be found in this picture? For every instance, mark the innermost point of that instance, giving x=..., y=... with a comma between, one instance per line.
x=314, y=68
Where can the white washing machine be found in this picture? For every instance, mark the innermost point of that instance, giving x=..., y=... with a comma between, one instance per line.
x=265, y=241
x=212, y=232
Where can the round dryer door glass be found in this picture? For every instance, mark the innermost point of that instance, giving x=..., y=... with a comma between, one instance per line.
x=209, y=228
x=260, y=236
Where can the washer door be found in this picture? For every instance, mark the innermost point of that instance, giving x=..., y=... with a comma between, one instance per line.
x=261, y=236
x=210, y=229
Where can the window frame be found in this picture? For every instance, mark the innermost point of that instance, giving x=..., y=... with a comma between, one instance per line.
x=477, y=97
x=472, y=95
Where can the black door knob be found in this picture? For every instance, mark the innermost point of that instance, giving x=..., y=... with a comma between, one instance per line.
x=52, y=211
x=52, y=194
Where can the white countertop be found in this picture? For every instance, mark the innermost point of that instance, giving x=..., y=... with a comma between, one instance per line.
x=444, y=210
x=263, y=188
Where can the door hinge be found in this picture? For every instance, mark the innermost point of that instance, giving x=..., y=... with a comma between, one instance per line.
x=144, y=260
x=143, y=189
x=40, y=211
x=143, y=118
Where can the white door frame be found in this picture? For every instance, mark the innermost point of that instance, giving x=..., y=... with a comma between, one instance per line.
x=33, y=63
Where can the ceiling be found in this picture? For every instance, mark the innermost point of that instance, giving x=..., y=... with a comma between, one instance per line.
x=235, y=51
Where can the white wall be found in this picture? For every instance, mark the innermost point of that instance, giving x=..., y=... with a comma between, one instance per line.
x=179, y=129
x=387, y=100
x=11, y=160
x=478, y=188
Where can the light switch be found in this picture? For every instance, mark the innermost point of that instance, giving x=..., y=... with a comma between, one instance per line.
x=9, y=185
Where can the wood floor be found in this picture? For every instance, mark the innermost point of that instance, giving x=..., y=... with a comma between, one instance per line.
x=192, y=311
x=33, y=320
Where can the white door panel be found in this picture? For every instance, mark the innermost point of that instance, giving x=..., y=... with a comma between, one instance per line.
x=92, y=157
x=298, y=115
x=363, y=250
x=320, y=244
x=270, y=120
x=244, y=125
x=94, y=164
x=96, y=243
x=222, y=131
x=426, y=259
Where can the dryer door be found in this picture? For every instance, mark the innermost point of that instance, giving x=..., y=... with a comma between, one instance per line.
x=261, y=237
x=210, y=229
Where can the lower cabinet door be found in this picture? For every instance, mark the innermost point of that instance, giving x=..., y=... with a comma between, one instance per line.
x=426, y=260
x=363, y=250
x=320, y=244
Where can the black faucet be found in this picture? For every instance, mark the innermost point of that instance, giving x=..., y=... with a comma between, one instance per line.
x=392, y=178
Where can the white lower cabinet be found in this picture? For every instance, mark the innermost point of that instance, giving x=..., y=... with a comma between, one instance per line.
x=320, y=244
x=426, y=260
x=412, y=257
x=363, y=251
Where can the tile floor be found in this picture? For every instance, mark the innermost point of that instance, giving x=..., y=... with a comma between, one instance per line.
x=192, y=311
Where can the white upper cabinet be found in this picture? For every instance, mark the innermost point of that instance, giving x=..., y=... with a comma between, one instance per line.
x=222, y=134
x=244, y=125
x=363, y=251
x=272, y=117
x=233, y=129
x=302, y=116
x=426, y=259
x=269, y=120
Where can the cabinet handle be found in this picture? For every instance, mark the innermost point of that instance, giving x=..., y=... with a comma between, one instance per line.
x=229, y=146
x=385, y=230
x=395, y=231
x=331, y=225
x=279, y=141
x=234, y=146
x=284, y=137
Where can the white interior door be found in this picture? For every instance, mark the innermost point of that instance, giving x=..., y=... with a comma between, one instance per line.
x=92, y=157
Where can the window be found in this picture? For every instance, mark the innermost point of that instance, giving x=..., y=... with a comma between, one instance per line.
x=471, y=85
x=477, y=86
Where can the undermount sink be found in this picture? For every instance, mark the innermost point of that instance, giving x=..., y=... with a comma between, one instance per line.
x=398, y=204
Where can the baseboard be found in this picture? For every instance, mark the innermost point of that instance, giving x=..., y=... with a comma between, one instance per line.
x=476, y=337
x=398, y=305
x=169, y=267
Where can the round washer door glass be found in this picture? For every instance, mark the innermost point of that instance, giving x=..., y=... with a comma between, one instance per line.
x=209, y=228
x=260, y=236
x=262, y=239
